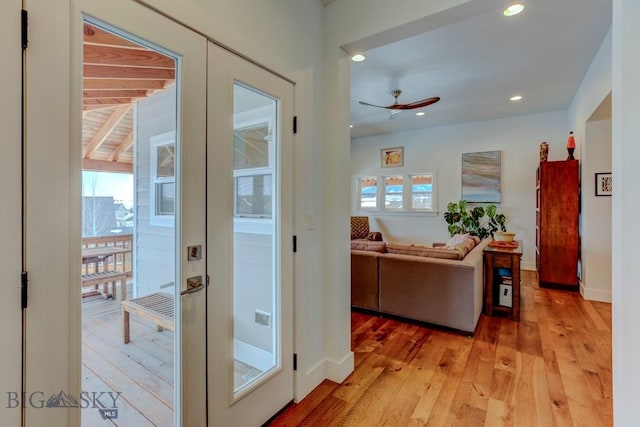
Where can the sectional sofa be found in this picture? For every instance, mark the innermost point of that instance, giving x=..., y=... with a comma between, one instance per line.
x=442, y=286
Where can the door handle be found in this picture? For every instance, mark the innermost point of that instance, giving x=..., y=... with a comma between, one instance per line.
x=194, y=284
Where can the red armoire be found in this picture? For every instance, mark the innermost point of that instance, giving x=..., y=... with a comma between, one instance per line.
x=557, y=216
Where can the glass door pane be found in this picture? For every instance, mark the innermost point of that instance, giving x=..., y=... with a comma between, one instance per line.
x=255, y=319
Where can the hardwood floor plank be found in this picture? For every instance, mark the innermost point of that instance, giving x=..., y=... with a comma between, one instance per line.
x=553, y=368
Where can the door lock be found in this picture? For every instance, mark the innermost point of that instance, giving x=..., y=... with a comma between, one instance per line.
x=194, y=252
x=194, y=284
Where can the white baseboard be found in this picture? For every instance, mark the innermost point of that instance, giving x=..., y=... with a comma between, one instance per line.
x=530, y=266
x=338, y=370
x=308, y=379
x=594, y=294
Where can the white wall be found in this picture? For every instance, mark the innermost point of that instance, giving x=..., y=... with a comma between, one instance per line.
x=596, y=214
x=440, y=150
x=154, y=245
x=626, y=205
x=596, y=251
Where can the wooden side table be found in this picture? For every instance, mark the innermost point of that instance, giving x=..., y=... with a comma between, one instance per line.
x=502, y=281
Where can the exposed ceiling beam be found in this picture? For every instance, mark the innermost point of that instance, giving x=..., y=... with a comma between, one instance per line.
x=96, y=104
x=96, y=94
x=117, y=56
x=106, y=166
x=104, y=71
x=94, y=35
x=125, y=145
x=105, y=130
x=115, y=84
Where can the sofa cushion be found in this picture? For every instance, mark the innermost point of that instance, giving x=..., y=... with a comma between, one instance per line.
x=425, y=251
x=368, y=245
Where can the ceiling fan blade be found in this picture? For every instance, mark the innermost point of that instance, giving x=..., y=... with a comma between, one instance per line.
x=411, y=106
x=373, y=105
x=394, y=113
x=417, y=104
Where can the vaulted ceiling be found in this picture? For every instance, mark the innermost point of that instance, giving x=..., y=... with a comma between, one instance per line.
x=117, y=74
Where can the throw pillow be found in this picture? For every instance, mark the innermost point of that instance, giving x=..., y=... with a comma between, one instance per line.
x=368, y=245
x=359, y=227
x=456, y=239
x=425, y=251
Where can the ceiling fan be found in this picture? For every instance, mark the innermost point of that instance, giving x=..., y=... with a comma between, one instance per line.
x=397, y=106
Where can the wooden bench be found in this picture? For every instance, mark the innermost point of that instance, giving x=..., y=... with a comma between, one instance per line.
x=157, y=308
x=104, y=278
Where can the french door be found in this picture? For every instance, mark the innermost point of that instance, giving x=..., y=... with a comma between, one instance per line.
x=233, y=221
x=249, y=230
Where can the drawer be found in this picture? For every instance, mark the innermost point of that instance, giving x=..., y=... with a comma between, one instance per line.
x=502, y=261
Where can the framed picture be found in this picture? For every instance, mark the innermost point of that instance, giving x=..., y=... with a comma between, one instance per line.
x=392, y=157
x=481, y=176
x=604, y=185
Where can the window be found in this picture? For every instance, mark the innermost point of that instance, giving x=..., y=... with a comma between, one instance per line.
x=393, y=192
x=163, y=180
x=421, y=191
x=252, y=170
x=368, y=192
x=414, y=192
x=253, y=195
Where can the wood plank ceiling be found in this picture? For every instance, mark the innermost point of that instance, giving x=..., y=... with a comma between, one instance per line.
x=117, y=74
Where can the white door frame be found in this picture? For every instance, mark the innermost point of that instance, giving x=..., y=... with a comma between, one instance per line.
x=11, y=211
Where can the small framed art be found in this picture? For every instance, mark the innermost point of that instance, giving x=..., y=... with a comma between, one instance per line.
x=392, y=157
x=604, y=185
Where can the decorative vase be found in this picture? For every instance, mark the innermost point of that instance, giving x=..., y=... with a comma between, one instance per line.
x=544, y=151
x=571, y=146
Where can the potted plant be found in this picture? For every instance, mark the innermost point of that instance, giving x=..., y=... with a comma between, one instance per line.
x=477, y=221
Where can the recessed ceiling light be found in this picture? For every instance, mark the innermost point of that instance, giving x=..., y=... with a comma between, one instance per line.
x=516, y=98
x=420, y=113
x=358, y=57
x=351, y=126
x=514, y=9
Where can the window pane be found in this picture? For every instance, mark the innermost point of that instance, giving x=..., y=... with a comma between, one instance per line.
x=421, y=201
x=165, y=198
x=165, y=158
x=393, y=189
x=368, y=193
x=253, y=195
x=251, y=147
x=421, y=191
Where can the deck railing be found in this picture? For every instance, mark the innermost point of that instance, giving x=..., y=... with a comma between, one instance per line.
x=122, y=262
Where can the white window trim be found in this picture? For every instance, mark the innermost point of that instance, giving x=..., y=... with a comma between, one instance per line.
x=407, y=195
x=409, y=191
x=250, y=119
x=155, y=142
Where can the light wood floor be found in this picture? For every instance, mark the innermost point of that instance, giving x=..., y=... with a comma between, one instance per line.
x=553, y=368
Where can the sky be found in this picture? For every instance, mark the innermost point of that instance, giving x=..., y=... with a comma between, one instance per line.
x=118, y=185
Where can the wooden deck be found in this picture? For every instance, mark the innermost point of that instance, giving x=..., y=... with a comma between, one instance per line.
x=142, y=371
